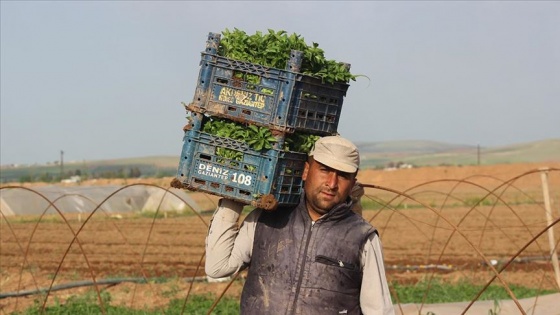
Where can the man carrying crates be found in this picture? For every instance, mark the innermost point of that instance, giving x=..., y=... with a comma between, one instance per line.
x=316, y=257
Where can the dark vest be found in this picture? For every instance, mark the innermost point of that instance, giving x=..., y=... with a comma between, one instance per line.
x=297, y=268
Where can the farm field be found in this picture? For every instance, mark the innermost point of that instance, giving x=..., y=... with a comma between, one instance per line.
x=449, y=223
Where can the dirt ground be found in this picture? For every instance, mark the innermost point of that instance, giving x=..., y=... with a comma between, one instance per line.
x=452, y=223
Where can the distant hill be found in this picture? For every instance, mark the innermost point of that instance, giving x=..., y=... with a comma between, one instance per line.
x=373, y=155
x=410, y=147
x=425, y=153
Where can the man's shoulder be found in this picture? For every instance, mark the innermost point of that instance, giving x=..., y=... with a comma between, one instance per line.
x=363, y=224
x=278, y=213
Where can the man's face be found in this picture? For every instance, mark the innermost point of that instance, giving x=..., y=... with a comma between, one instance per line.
x=325, y=187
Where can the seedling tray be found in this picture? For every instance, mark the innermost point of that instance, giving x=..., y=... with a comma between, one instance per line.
x=282, y=100
x=266, y=179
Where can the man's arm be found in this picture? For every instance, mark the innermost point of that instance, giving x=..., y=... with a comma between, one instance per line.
x=228, y=248
x=375, y=297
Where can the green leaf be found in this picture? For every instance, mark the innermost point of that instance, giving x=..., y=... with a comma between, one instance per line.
x=273, y=50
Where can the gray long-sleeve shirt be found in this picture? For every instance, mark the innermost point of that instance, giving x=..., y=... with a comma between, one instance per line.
x=229, y=249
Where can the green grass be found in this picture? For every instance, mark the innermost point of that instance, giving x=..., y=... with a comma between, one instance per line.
x=89, y=304
x=441, y=292
x=438, y=292
x=369, y=204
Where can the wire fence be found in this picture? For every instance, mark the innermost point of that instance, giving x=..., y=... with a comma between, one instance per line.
x=479, y=228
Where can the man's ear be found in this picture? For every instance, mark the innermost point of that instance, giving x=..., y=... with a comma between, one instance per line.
x=305, y=171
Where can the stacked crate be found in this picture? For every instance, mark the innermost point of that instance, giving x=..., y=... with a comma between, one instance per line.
x=285, y=101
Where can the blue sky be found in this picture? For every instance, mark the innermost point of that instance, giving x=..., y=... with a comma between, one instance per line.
x=105, y=79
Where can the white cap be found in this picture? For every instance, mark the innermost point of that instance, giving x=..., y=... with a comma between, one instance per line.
x=336, y=152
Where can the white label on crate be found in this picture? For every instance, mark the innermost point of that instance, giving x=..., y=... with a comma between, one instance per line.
x=241, y=179
x=213, y=171
x=242, y=98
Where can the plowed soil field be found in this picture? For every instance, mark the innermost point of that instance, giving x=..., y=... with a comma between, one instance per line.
x=453, y=223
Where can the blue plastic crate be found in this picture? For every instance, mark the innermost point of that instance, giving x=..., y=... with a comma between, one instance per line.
x=283, y=100
x=265, y=179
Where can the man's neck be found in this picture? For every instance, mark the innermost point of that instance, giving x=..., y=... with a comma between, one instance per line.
x=314, y=215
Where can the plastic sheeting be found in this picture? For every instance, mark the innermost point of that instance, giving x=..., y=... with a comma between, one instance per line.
x=85, y=199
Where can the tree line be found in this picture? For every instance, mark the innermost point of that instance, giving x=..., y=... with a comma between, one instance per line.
x=53, y=176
